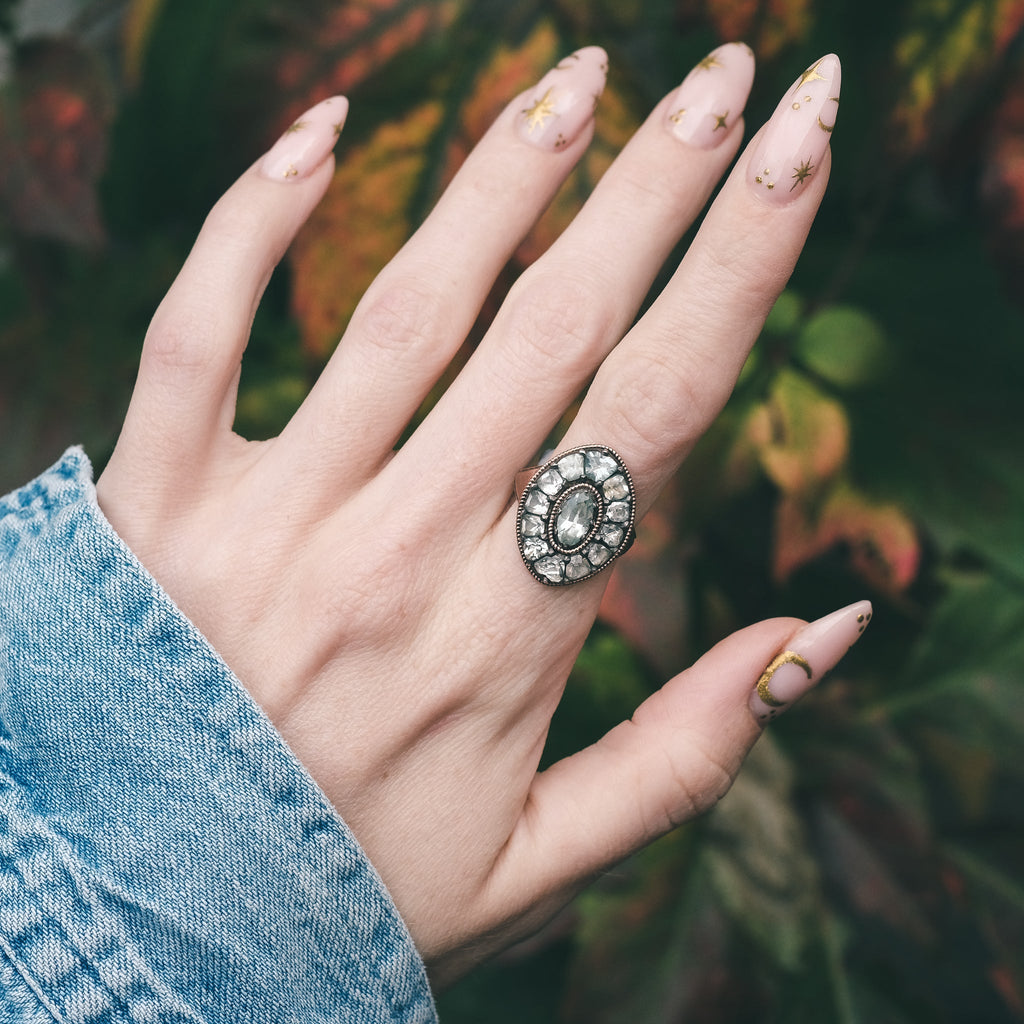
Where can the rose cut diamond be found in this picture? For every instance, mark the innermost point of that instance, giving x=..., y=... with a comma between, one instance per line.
x=575, y=519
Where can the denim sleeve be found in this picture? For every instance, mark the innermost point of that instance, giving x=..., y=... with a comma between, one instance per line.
x=163, y=855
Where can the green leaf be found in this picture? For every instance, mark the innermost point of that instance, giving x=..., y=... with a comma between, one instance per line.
x=844, y=346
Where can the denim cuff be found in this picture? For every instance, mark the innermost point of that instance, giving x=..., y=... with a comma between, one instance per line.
x=163, y=855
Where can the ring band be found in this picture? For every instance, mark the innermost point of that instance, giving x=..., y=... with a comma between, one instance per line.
x=576, y=514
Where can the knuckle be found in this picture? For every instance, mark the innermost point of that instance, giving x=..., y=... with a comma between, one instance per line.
x=657, y=406
x=559, y=324
x=179, y=341
x=398, y=315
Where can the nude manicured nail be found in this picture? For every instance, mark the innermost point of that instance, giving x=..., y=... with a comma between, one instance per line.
x=815, y=650
x=712, y=96
x=306, y=143
x=562, y=103
x=791, y=149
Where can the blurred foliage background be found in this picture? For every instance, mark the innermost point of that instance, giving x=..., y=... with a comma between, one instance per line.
x=868, y=864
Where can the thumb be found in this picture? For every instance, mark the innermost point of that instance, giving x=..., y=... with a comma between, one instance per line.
x=679, y=753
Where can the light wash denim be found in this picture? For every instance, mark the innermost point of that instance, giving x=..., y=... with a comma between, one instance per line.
x=163, y=855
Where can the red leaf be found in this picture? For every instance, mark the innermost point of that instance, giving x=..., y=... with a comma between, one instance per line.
x=53, y=142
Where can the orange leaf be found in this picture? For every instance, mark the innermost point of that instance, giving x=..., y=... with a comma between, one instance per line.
x=333, y=49
x=883, y=543
x=767, y=25
x=361, y=223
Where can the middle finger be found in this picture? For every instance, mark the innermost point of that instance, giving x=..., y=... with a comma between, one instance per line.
x=572, y=306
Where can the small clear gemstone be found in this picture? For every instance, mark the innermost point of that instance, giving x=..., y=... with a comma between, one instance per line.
x=550, y=568
x=611, y=534
x=551, y=482
x=537, y=502
x=618, y=512
x=600, y=466
x=575, y=518
x=598, y=555
x=616, y=487
x=533, y=526
x=577, y=568
x=571, y=467
x=534, y=548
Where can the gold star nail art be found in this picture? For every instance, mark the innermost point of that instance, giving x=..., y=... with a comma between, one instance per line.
x=298, y=126
x=541, y=112
x=811, y=75
x=709, y=62
x=801, y=173
x=720, y=120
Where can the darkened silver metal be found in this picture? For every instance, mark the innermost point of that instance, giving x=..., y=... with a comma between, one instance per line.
x=576, y=514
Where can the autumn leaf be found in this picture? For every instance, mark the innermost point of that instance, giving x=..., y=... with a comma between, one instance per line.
x=801, y=435
x=361, y=223
x=882, y=541
x=53, y=142
x=767, y=25
x=947, y=52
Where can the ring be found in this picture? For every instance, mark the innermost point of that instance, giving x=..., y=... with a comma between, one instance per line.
x=576, y=515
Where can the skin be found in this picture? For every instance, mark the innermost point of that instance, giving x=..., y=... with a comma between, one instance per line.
x=413, y=666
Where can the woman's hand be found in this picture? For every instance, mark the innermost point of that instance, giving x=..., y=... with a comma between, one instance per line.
x=374, y=602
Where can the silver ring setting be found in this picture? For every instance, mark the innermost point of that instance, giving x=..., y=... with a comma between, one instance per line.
x=576, y=515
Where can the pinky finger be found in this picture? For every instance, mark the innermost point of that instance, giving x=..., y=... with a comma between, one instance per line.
x=676, y=757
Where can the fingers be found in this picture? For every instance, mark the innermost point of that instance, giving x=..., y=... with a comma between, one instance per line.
x=571, y=307
x=184, y=396
x=420, y=309
x=661, y=389
x=678, y=755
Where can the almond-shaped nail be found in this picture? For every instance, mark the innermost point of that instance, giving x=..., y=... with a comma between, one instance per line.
x=562, y=103
x=712, y=96
x=306, y=143
x=790, y=152
x=815, y=650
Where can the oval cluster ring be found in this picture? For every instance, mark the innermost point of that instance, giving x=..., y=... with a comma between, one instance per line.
x=576, y=515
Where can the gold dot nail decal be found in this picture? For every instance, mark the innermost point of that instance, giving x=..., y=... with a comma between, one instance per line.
x=820, y=643
x=564, y=100
x=711, y=97
x=307, y=142
x=796, y=137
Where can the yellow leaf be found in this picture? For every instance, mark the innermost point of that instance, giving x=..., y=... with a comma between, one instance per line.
x=801, y=435
x=949, y=48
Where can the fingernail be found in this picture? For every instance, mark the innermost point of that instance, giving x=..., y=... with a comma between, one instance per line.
x=562, y=103
x=306, y=143
x=712, y=96
x=815, y=650
x=791, y=149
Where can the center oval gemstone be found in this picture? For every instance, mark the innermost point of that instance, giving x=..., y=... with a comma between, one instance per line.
x=575, y=519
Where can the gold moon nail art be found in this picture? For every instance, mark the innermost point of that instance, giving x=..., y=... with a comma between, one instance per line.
x=786, y=658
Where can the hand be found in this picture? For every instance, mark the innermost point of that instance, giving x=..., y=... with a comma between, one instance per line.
x=374, y=602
